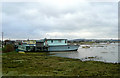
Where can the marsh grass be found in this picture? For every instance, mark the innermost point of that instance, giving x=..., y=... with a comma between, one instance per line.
x=41, y=64
x=0, y=48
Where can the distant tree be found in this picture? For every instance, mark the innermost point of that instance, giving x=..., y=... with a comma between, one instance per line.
x=7, y=40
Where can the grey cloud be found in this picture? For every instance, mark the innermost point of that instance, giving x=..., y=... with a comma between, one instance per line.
x=37, y=19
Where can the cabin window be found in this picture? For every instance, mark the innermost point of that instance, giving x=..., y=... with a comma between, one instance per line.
x=65, y=41
x=51, y=41
x=59, y=41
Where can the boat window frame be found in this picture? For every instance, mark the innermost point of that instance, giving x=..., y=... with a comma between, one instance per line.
x=51, y=41
x=59, y=41
x=65, y=41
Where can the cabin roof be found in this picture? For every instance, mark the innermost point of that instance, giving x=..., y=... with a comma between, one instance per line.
x=56, y=39
x=43, y=40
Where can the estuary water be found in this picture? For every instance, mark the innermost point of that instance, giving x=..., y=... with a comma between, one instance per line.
x=97, y=52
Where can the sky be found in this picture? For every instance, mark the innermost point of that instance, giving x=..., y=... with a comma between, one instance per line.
x=70, y=19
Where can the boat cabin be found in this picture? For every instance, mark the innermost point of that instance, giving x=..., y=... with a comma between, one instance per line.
x=43, y=44
x=55, y=42
x=51, y=42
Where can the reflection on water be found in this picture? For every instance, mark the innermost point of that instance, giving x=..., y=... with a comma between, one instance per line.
x=96, y=52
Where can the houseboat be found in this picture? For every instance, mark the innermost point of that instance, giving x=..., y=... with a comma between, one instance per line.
x=50, y=45
x=54, y=45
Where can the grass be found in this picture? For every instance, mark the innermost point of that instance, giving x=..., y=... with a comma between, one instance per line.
x=0, y=49
x=40, y=64
x=0, y=61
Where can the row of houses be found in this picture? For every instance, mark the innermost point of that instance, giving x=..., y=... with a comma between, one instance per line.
x=94, y=40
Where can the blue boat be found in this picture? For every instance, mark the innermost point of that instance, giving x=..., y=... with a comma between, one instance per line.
x=53, y=45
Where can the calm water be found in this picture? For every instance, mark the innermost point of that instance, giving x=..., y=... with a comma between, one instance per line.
x=97, y=52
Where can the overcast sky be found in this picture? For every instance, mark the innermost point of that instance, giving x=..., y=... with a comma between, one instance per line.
x=59, y=19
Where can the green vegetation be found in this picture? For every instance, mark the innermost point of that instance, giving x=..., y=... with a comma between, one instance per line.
x=0, y=49
x=40, y=64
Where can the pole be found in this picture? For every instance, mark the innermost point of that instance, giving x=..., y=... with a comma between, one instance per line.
x=2, y=39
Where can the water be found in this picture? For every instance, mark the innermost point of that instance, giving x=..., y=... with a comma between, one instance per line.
x=96, y=52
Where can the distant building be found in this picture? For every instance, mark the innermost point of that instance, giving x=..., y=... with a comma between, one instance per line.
x=29, y=42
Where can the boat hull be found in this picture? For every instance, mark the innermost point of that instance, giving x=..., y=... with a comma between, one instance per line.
x=58, y=48
x=63, y=48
